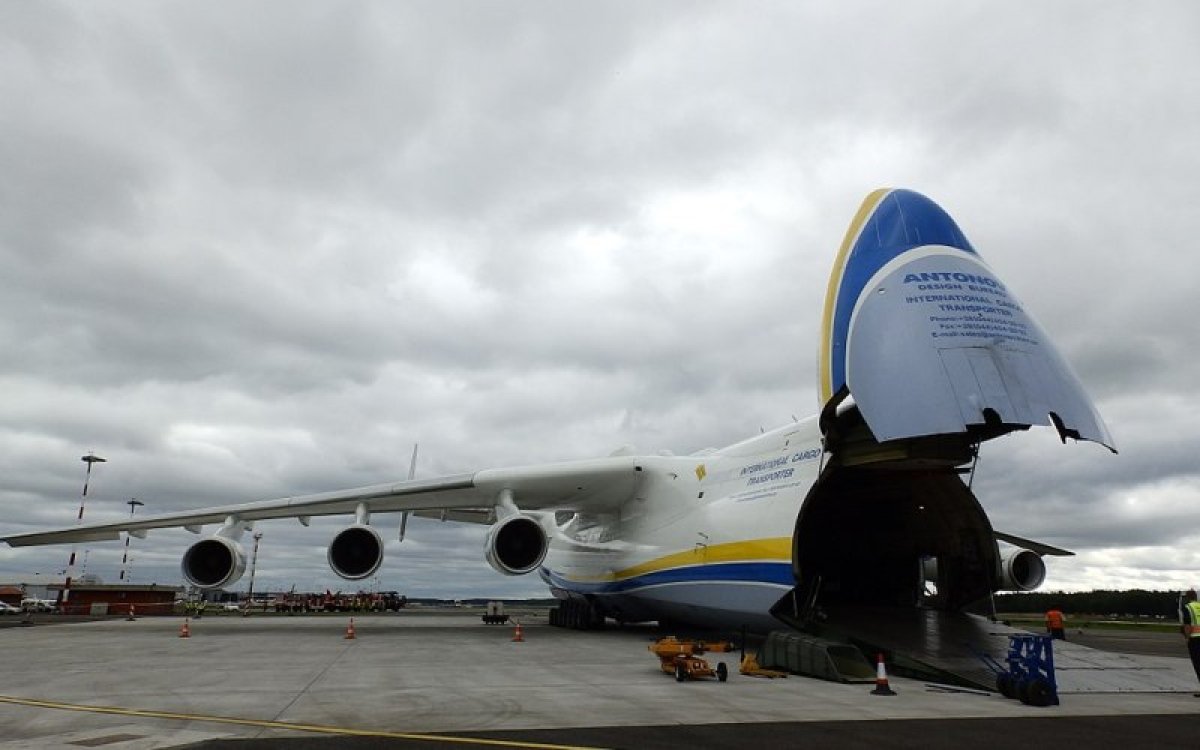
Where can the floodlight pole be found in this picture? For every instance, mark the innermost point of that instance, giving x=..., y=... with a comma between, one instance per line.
x=253, y=567
x=133, y=505
x=89, y=459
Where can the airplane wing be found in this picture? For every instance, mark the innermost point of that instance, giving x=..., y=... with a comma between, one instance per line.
x=593, y=486
x=1039, y=547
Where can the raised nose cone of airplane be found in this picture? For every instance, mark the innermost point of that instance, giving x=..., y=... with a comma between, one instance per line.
x=902, y=219
x=888, y=223
x=929, y=341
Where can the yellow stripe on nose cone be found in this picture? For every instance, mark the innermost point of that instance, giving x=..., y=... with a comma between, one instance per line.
x=825, y=364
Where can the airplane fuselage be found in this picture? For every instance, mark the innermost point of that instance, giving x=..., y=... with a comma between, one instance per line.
x=706, y=538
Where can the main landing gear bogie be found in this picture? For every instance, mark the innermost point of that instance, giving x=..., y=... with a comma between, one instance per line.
x=578, y=614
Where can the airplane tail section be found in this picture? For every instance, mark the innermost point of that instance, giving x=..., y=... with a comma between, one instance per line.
x=928, y=341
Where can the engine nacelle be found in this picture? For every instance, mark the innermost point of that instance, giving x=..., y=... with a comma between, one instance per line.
x=356, y=552
x=516, y=545
x=214, y=563
x=1021, y=570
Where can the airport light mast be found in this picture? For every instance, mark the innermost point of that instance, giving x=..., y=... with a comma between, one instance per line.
x=253, y=567
x=89, y=459
x=133, y=505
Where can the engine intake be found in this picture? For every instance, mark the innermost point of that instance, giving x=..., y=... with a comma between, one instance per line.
x=356, y=552
x=1021, y=570
x=214, y=563
x=516, y=545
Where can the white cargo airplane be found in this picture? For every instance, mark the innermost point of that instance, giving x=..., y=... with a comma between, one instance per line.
x=925, y=355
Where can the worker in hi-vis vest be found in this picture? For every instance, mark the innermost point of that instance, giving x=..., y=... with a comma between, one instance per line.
x=1054, y=624
x=1189, y=615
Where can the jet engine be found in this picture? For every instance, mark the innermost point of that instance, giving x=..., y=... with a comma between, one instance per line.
x=214, y=563
x=356, y=552
x=516, y=545
x=1021, y=570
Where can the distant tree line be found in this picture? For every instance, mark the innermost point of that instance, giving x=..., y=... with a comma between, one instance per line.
x=1133, y=602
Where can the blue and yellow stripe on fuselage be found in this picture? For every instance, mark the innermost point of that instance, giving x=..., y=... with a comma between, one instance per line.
x=756, y=562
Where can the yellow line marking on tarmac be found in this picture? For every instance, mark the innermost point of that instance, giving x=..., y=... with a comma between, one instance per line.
x=265, y=724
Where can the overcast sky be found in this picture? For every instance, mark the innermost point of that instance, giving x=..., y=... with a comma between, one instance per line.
x=253, y=250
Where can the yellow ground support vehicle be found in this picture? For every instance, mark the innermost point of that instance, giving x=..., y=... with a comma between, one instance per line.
x=682, y=659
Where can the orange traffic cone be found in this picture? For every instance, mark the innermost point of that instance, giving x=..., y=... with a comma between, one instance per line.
x=350, y=630
x=881, y=680
x=517, y=636
x=185, y=631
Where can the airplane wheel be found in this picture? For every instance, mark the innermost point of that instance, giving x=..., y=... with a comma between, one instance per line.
x=722, y=672
x=680, y=673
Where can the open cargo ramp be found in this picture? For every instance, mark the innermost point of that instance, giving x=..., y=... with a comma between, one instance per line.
x=943, y=646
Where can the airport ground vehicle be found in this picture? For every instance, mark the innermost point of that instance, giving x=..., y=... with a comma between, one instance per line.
x=8, y=609
x=682, y=659
x=382, y=601
x=495, y=614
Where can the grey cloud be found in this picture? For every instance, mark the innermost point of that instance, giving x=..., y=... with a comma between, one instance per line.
x=258, y=251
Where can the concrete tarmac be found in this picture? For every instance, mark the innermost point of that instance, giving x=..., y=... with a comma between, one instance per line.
x=417, y=679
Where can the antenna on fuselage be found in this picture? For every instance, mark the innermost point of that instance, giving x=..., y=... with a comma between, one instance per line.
x=412, y=472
